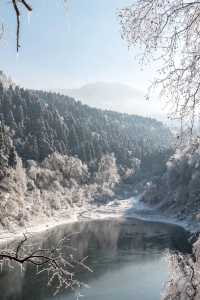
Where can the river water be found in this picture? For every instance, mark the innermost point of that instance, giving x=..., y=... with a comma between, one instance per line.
x=128, y=258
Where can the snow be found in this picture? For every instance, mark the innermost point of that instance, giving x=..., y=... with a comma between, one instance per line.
x=114, y=209
x=56, y=191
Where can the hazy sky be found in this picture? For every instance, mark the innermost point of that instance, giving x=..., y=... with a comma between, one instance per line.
x=65, y=48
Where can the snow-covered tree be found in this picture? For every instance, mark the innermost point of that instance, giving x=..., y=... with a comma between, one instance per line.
x=107, y=171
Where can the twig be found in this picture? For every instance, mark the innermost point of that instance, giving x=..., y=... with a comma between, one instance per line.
x=17, y=13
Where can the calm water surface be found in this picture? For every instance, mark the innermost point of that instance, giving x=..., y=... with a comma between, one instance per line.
x=127, y=256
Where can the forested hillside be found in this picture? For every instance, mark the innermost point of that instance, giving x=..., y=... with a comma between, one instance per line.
x=177, y=191
x=44, y=123
x=57, y=154
x=94, y=131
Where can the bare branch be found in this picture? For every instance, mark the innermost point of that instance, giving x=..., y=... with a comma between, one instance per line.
x=17, y=12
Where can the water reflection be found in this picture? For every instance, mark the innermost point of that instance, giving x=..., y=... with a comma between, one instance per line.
x=126, y=256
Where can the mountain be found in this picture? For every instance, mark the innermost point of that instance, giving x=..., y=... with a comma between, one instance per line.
x=115, y=96
x=57, y=153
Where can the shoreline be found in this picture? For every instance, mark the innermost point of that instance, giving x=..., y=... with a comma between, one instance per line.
x=117, y=209
x=87, y=213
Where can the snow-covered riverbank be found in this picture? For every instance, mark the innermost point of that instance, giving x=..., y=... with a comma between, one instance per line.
x=114, y=209
x=117, y=209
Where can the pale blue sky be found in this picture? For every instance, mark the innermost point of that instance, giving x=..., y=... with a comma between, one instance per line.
x=65, y=48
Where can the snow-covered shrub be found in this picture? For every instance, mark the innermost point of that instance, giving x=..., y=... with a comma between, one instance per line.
x=128, y=174
x=107, y=173
x=70, y=167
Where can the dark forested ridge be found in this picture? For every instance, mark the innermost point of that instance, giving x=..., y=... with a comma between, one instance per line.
x=44, y=122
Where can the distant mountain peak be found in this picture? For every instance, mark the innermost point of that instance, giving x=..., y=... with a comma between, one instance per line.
x=116, y=96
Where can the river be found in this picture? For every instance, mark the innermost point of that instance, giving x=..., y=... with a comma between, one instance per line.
x=127, y=256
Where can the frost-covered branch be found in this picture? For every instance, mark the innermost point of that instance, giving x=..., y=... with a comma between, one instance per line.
x=60, y=267
x=168, y=32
